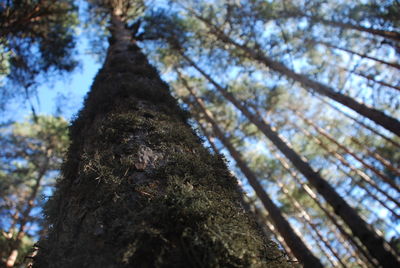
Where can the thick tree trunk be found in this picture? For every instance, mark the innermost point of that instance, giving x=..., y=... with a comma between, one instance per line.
x=299, y=249
x=138, y=187
x=260, y=217
x=278, y=237
x=377, y=246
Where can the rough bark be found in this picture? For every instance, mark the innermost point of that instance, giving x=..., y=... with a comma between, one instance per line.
x=261, y=218
x=298, y=248
x=377, y=246
x=138, y=187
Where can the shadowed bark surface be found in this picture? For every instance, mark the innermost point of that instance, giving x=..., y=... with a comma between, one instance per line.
x=138, y=187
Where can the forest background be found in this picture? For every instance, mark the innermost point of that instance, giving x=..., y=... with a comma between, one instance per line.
x=274, y=58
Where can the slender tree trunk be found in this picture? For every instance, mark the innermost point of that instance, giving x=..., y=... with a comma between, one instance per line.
x=307, y=219
x=377, y=156
x=377, y=116
x=356, y=171
x=313, y=196
x=347, y=150
x=371, y=78
x=299, y=249
x=346, y=25
x=361, y=251
x=24, y=217
x=370, y=194
x=388, y=139
x=362, y=55
x=138, y=187
x=377, y=246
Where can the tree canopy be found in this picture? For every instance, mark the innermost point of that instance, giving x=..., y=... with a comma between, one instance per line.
x=36, y=38
x=302, y=96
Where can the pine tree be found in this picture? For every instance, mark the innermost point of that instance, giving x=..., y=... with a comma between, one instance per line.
x=222, y=42
x=36, y=38
x=138, y=188
x=31, y=155
x=296, y=245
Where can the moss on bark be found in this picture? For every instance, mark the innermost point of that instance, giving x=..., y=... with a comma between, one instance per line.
x=140, y=190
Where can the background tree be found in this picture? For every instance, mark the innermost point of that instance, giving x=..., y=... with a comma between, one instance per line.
x=225, y=43
x=31, y=157
x=317, y=78
x=36, y=38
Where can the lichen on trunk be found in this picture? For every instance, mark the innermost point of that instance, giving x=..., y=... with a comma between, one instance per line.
x=138, y=187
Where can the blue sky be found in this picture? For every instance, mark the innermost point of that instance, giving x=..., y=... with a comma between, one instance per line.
x=73, y=87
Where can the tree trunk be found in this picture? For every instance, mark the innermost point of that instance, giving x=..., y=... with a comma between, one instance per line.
x=375, y=244
x=395, y=36
x=364, y=177
x=138, y=187
x=362, y=55
x=261, y=218
x=299, y=249
x=361, y=253
x=388, y=139
x=308, y=221
x=24, y=217
x=377, y=156
x=377, y=116
x=371, y=78
x=347, y=150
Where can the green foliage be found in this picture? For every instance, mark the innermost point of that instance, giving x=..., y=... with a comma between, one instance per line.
x=24, y=250
x=36, y=37
x=97, y=18
x=188, y=188
x=293, y=32
x=30, y=158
